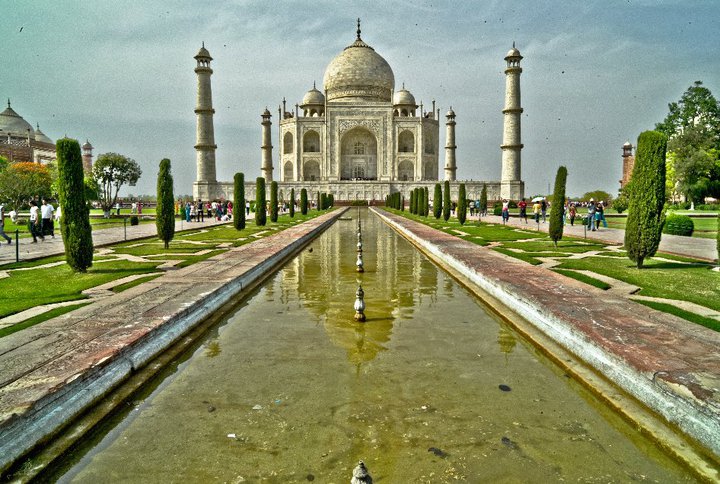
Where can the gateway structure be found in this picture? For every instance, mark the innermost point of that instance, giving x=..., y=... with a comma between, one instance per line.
x=359, y=138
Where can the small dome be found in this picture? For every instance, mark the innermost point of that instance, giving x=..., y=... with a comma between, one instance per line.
x=404, y=97
x=313, y=96
x=40, y=136
x=11, y=122
x=203, y=53
x=627, y=145
x=450, y=114
x=359, y=71
x=87, y=145
x=513, y=53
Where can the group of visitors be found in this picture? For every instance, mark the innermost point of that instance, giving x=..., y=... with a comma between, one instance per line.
x=42, y=220
x=196, y=211
x=540, y=205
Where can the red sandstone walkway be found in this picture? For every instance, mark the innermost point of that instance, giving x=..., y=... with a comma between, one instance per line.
x=671, y=365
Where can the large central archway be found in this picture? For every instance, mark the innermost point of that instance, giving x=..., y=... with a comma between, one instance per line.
x=358, y=155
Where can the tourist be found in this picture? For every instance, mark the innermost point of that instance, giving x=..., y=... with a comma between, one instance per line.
x=591, y=215
x=573, y=212
x=133, y=208
x=58, y=214
x=193, y=212
x=505, y=210
x=187, y=211
x=200, y=212
x=46, y=211
x=247, y=208
x=536, y=211
x=117, y=208
x=2, y=224
x=472, y=208
x=13, y=215
x=599, y=210
x=522, y=205
x=601, y=206
x=543, y=208
x=35, y=227
x=139, y=208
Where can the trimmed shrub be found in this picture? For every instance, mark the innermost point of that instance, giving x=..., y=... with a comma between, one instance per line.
x=446, y=201
x=402, y=203
x=620, y=204
x=462, y=204
x=437, y=201
x=646, y=213
x=292, y=203
x=75, y=220
x=165, y=210
x=556, y=211
x=239, y=201
x=303, y=202
x=318, y=202
x=273, y=201
x=134, y=220
x=260, y=202
x=678, y=225
x=497, y=209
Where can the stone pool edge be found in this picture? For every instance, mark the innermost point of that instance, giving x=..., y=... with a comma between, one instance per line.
x=676, y=403
x=98, y=374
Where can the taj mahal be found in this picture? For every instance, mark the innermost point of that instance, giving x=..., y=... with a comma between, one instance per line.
x=359, y=138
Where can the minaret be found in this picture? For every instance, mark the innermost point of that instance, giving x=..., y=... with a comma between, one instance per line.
x=266, y=167
x=205, y=146
x=511, y=187
x=87, y=156
x=450, y=165
x=628, y=164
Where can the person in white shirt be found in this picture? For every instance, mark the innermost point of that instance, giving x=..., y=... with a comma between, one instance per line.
x=46, y=211
x=35, y=228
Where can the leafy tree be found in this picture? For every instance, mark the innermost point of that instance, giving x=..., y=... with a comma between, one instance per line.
x=75, y=220
x=598, y=195
x=437, y=201
x=292, y=203
x=462, y=204
x=111, y=171
x=483, y=199
x=620, y=204
x=239, y=201
x=260, y=202
x=303, y=201
x=20, y=182
x=693, y=129
x=4, y=162
x=446, y=201
x=273, y=201
x=165, y=211
x=646, y=213
x=558, y=206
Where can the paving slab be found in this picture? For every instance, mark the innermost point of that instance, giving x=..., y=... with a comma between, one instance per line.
x=669, y=364
x=53, y=371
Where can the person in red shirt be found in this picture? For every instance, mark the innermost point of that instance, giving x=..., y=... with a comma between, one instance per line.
x=522, y=205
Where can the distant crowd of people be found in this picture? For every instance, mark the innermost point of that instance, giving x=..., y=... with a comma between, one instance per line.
x=595, y=211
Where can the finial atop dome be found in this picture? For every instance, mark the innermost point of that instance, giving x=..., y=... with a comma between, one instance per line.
x=8, y=102
x=358, y=30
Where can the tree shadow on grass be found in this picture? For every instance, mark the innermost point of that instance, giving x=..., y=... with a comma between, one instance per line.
x=670, y=265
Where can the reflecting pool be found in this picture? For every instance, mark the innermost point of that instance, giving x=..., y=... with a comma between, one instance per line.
x=431, y=388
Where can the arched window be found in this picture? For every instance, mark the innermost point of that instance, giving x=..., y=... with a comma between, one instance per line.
x=311, y=142
x=288, y=172
x=406, y=142
x=359, y=148
x=288, y=143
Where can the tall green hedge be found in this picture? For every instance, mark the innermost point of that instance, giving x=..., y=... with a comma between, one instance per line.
x=426, y=199
x=412, y=201
x=303, y=201
x=483, y=199
x=462, y=204
x=165, y=210
x=319, y=201
x=260, y=202
x=273, y=201
x=437, y=201
x=75, y=219
x=292, y=203
x=646, y=213
x=239, y=201
x=446, y=201
x=558, y=206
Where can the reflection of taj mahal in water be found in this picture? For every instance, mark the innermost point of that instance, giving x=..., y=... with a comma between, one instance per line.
x=359, y=139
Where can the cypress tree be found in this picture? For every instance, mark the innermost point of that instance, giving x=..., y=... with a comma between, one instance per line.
x=446, y=201
x=273, y=201
x=418, y=201
x=558, y=206
x=483, y=199
x=462, y=204
x=718, y=238
x=412, y=201
x=292, y=203
x=437, y=201
x=75, y=220
x=319, y=201
x=303, y=201
x=646, y=213
x=165, y=210
x=239, y=201
x=260, y=202
x=402, y=203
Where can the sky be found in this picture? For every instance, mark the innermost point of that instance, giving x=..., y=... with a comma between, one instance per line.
x=595, y=74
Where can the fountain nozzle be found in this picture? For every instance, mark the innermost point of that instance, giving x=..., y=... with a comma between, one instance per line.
x=359, y=304
x=361, y=475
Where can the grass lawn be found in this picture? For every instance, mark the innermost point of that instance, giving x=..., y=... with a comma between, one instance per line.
x=705, y=227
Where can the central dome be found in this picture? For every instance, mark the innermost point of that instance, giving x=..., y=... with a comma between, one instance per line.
x=359, y=72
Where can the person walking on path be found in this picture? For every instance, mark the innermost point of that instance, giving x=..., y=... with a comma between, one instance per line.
x=522, y=205
x=35, y=228
x=2, y=224
x=573, y=211
x=536, y=211
x=601, y=211
x=505, y=210
x=543, y=209
x=200, y=211
x=46, y=211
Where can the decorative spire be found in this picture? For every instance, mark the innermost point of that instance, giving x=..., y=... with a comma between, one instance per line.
x=313, y=84
x=513, y=44
x=8, y=102
x=358, y=30
x=203, y=44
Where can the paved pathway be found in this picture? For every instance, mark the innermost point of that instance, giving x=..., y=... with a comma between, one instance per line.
x=101, y=237
x=696, y=247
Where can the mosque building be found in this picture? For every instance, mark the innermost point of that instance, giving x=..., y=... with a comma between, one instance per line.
x=358, y=138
